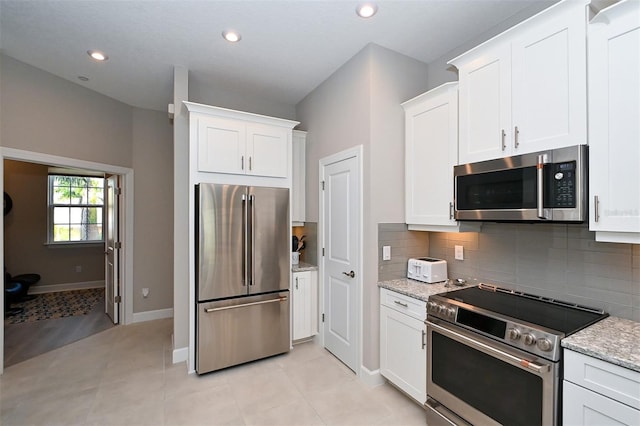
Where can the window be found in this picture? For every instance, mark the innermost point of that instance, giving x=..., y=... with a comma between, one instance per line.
x=76, y=209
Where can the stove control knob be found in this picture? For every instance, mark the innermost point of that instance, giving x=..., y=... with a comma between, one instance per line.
x=514, y=334
x=431, y=306
x=451, y=312
x=442, y=309
x=529, y=339
x=544, y=344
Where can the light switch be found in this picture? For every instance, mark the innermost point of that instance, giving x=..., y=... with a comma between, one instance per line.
x=459, y=252
x=386, y=252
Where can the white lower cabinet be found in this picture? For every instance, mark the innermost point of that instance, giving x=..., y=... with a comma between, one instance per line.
x=403, y=349
x=597, y=393
x=304, y=307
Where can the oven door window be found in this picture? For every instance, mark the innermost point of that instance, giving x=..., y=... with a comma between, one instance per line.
x=505, y=189
x=507, y=394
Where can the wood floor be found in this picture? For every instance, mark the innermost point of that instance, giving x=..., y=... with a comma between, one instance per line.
x=27, y=340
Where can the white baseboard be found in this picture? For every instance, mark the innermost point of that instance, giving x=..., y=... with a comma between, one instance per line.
x=52, y=288
x=371, y=378
x=152, y=315
x=180, y=355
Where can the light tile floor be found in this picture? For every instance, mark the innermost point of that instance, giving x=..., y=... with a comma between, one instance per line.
x=124, y=376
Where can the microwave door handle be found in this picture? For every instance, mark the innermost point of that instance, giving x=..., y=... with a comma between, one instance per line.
x=542, y=159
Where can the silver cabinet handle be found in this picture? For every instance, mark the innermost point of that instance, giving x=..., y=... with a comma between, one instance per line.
x=424, y=339
x=503, y=135
x=350, y=274
x=296, y=283
x=250, y=168
x=262, y=302
x=242, y=162
x=400, y=303
x=596, y=207
x=516, y=134
x=451, y=211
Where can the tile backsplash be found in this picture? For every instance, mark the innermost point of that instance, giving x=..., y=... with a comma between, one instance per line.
x=404, y=244
x=553, y=260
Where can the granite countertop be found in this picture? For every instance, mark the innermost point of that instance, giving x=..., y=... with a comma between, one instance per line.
x=302, y=267
x=418, y=290
x=614, y=340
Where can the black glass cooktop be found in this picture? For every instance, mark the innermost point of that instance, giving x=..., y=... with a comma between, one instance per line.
x=556, y=315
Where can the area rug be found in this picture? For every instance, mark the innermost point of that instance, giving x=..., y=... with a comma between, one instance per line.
x=57, y=305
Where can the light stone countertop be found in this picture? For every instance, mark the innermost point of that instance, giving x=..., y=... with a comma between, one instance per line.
x=615, y=340
x=303, y=267
x=418, y=290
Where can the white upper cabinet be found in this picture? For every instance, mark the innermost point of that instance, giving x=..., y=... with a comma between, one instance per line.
x=240, y=143
x=525, y=90
x=614, y=123
x=298, y=182
x=431, y=151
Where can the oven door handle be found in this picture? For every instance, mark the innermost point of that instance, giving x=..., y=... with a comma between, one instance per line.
x=490, y=350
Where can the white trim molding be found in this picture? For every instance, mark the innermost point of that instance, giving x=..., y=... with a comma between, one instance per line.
x=54, y=288
x=371, y=378
x=152, y=315
x=180, y=355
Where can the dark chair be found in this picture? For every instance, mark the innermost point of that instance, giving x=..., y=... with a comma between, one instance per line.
x=12, y=291
x=26, y=280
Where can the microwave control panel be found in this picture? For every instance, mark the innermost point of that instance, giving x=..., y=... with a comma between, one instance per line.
x=562, y=182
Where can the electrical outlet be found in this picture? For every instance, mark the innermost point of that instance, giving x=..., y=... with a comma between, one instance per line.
x=78, y=268
x=386, y=252
x=459, y=252
x=145, y=292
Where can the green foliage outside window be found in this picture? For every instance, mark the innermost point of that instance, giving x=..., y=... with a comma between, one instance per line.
x=77, y=208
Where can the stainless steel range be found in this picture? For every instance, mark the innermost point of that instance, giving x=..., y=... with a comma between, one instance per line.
x=494, y=356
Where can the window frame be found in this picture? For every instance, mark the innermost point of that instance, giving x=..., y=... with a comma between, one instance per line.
x=51, y=207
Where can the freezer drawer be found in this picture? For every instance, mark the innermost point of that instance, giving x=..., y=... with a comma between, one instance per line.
x=239, y=330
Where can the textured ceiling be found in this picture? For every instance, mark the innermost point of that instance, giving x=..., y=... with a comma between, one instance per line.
x=287, y=49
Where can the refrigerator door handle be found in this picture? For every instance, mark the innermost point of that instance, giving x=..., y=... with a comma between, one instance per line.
x=244, y=240
x=252, y=276
x=262, y=302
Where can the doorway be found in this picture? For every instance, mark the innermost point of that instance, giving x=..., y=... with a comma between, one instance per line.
x=341, y=248
x=124, y=309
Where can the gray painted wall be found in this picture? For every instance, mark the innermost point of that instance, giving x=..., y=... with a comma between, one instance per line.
x=45, y=114
x=360, y=105
x=404, y=245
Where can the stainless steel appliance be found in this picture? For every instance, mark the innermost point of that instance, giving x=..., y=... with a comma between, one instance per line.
x=242, y=274
x=494, y=356
x=427, y=269
x=542, y=186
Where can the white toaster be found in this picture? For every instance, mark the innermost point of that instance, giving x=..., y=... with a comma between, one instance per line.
x=427, y=270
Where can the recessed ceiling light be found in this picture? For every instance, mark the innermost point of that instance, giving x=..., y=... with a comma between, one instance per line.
x=83, y=78
x=231, y=36
x=366, y=10
x=97, y=55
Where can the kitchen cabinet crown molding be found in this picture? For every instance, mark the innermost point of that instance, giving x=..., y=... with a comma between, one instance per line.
x=239, y=115
x=505, y=36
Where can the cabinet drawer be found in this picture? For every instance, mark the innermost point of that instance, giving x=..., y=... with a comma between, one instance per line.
x=607, y=379
x=586, y=408
x=413, y=307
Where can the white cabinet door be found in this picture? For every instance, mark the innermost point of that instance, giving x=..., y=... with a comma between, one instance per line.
x=485, y=105
x=221, y=145
x=267, y=150
x=403, y=358
x=549, y=79
x=431, y=151
x=298, y=180
x=584, y=407
x=614, y=124
x=304, y=309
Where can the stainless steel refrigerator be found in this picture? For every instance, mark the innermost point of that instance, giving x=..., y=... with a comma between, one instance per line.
x=242, y=274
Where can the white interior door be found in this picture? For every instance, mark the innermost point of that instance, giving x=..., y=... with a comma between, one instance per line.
x=112, y=264
x=341, y=205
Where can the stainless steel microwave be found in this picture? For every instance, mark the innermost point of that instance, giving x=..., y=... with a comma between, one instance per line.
x=547, y=186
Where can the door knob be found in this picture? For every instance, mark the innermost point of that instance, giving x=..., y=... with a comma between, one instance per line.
x=350, y=274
